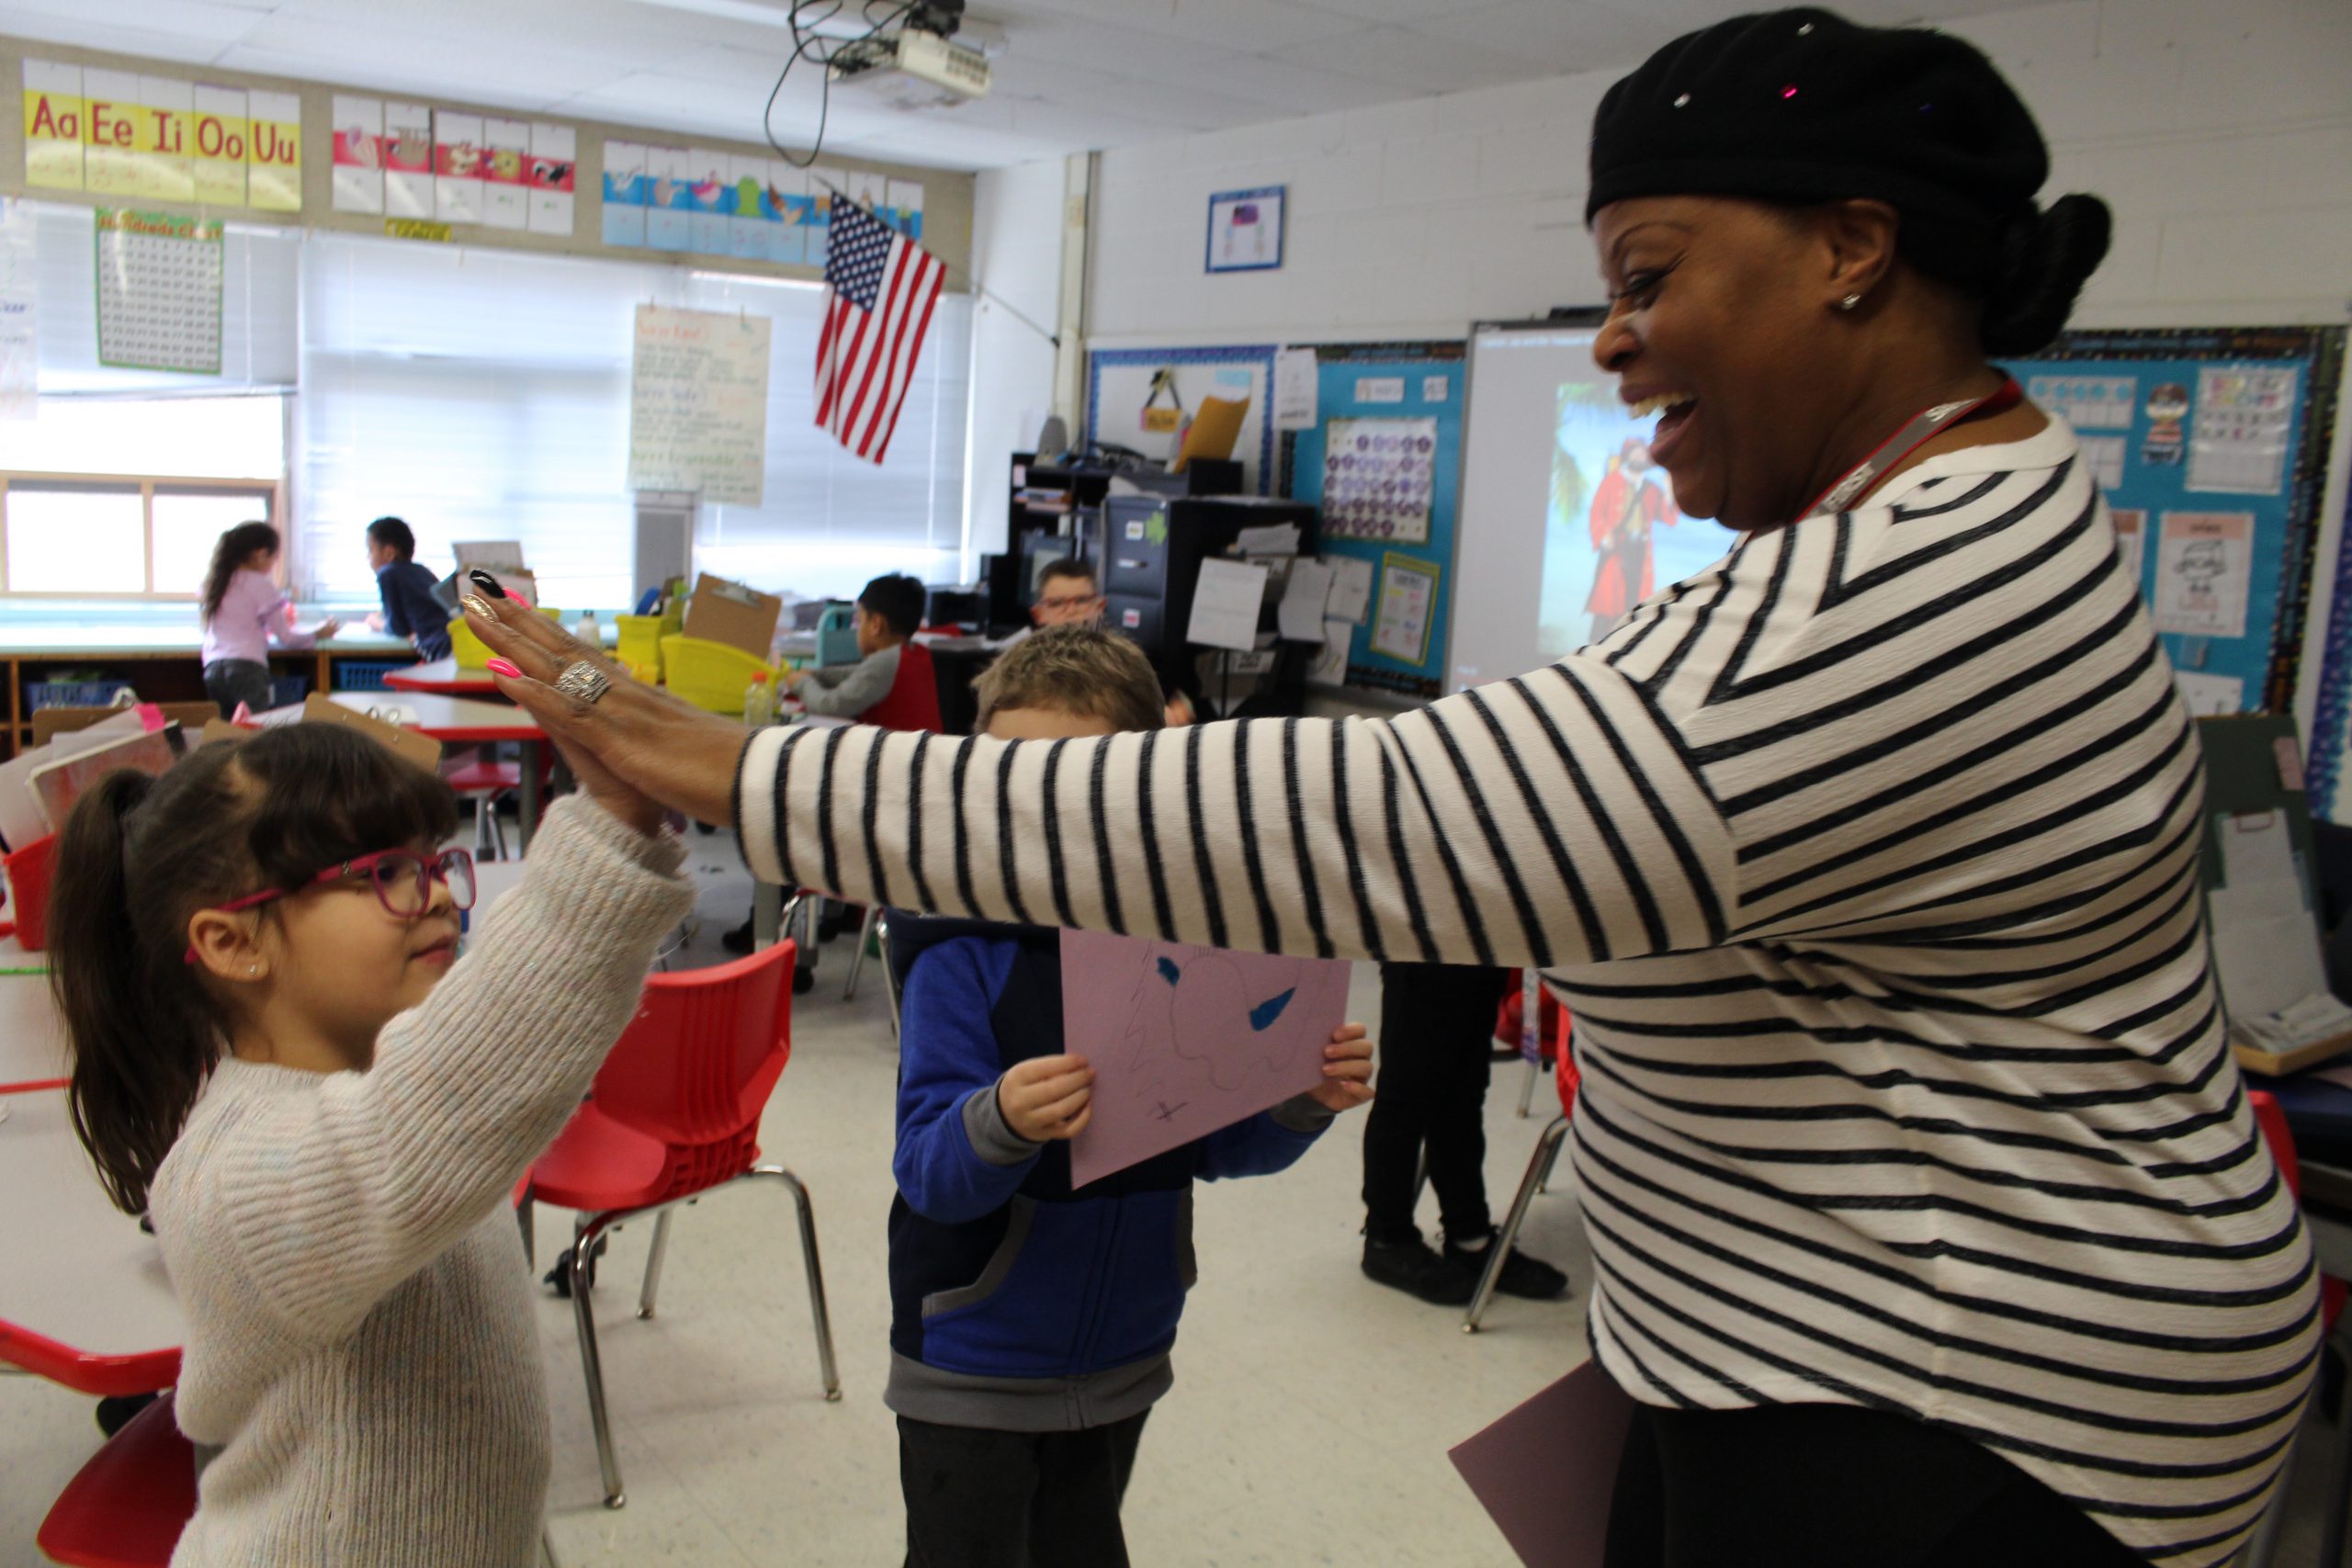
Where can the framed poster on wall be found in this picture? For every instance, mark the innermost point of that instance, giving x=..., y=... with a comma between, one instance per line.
x=1246, y=230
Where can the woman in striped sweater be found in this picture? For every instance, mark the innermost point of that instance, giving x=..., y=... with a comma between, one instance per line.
x=1929, y=1223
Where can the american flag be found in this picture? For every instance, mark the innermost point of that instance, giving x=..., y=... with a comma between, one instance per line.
x=884, y=287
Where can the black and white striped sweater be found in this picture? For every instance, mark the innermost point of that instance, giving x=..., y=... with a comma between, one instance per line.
x=1866, y=862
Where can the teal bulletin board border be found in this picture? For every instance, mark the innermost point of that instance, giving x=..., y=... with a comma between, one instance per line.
x=1337, y=368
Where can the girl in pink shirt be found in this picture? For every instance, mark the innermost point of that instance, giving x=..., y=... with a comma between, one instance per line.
x=244, y=612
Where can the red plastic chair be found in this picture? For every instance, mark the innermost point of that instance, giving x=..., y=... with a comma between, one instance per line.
x=1547, y=1147
x=483, y=782
x=675, y=1112
x=2271, y=1117
x=28, y=873
x=127, y=1507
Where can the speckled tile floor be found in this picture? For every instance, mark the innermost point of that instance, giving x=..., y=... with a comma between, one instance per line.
x=1308, y=1425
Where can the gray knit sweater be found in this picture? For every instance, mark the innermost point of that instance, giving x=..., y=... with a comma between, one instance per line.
x=360, y=1338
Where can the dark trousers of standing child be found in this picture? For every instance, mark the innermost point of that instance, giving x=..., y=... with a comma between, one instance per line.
x=981, y=1498
x=229, y=682
x=1437, y=1030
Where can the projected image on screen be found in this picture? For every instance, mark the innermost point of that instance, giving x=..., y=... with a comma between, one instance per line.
x=1612, y=534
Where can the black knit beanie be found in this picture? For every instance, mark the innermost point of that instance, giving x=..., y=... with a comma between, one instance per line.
x=1804, y=105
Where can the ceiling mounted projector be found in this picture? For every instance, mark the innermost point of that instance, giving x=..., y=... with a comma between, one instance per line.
x=917, y=66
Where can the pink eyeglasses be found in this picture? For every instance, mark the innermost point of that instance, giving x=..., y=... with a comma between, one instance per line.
x=403, y=879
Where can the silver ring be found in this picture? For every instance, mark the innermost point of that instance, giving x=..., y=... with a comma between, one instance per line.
x=583, y=679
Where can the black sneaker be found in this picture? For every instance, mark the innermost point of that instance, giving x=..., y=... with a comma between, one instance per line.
x=1521, y=1275
x=1412, y=1267
x=739, y=940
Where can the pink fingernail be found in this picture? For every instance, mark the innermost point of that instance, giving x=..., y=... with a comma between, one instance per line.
x=503, y=667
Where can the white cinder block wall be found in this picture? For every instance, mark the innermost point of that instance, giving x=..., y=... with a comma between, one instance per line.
x=1017, y=257
x=2219, y=131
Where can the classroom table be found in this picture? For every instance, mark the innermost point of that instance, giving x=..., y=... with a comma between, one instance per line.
x=84, y=1300
x=32, y=1036
x=443, y=677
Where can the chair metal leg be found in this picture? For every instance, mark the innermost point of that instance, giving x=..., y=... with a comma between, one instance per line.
x=1527, y=1090
x=816, y=1274
x=583, y=1314
x=1546, y=1147
x=525, y=1214
x=857, y=954
x=1421, y=1179
x=546, y=1550
x=653, y=1265
x=1544, y=1183
x=497, y=827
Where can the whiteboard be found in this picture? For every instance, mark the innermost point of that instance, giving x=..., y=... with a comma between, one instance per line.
x=698, y=403
x=1119, y=380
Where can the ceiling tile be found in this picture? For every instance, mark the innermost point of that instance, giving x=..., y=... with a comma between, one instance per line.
x=169, y=29
x=1413, y=61
x=1559, y=38
x=1067, y=40
x=1286, y=88
x=1248, y=26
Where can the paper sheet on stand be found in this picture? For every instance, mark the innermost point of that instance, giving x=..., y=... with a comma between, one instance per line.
x=1331, y=665
x=1226, y=604
x=2266, y=940
x=1267, y=538
x=1295, y=390
x=1301, y=616
x=1350, y=587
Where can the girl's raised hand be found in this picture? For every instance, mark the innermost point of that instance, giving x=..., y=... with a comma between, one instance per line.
x=1347, y=1070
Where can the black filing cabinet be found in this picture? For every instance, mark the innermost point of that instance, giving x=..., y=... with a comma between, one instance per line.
x=1150, y=549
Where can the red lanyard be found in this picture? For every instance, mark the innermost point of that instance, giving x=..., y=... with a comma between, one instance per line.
x=1922, y=428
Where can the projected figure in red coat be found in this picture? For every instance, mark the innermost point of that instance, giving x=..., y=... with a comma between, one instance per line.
x=1631, y=499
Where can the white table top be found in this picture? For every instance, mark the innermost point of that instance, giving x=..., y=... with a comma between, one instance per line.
x=32, y=1036
x=80, y=1272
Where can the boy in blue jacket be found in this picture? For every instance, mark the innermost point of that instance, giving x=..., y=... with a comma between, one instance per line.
x=1030, y=1324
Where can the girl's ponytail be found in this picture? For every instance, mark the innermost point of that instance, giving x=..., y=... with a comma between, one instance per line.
x=143, y=1036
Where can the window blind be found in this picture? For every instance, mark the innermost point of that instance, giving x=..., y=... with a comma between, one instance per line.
x=485, y=395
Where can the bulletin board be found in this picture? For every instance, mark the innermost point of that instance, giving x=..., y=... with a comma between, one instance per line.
x=1392, y=413
x=1119, y=382
x=2211, y=446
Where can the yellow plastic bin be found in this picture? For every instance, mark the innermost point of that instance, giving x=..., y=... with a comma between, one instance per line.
x=711, y=676
x=641, y=647
x=470, y=650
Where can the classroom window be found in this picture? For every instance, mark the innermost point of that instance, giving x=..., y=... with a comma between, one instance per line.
x=477, y=395
x=829, y=520
x=99, y=539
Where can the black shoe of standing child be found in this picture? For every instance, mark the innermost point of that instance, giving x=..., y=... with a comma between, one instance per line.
x=739, y=940
x=1412, y=1267
x=1521, y=1275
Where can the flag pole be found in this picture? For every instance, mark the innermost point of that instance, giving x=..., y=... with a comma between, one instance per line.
x=971, y=283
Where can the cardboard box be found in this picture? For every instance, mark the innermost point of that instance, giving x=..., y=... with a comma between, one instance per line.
x=421, y=749
x=729, y=612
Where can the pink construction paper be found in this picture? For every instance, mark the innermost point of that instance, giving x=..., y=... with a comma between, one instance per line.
x=1546, y=1471
x=1187, y=1040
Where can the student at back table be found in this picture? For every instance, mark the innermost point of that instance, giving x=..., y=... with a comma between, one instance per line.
x=410, y=609
x=889, y=612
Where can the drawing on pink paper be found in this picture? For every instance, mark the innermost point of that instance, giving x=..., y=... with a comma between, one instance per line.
x=1187, y=1040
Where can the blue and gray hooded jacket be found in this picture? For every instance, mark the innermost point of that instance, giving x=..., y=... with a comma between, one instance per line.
x=1017, y=1303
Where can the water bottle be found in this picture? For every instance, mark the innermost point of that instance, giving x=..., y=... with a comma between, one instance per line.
x=759, y=701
